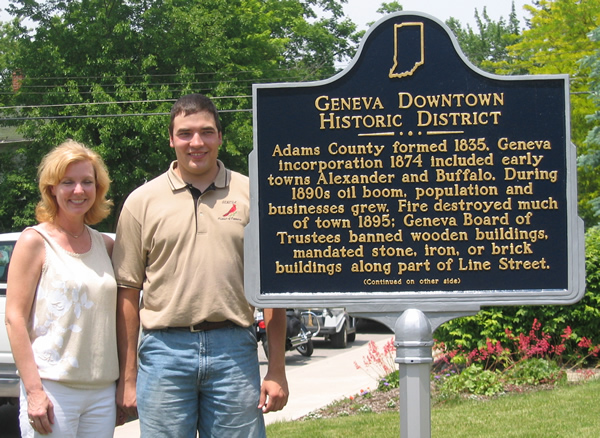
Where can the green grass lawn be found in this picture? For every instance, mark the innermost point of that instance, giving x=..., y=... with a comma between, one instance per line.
x=567, y=411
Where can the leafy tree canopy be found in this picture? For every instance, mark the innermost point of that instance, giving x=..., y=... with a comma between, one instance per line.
x=555, y=43
x=488, y=43
x=589, y=162
x=106, y=72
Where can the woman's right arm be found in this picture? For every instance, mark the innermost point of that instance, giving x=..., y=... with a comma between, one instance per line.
x=24, y=273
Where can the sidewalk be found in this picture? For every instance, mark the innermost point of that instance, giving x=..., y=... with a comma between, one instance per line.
x=312, y=386
x=318, y=384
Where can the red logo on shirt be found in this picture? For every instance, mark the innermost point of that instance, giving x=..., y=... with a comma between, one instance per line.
x=231, y=211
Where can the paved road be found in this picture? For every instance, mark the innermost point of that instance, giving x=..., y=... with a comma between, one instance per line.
x=367, y=331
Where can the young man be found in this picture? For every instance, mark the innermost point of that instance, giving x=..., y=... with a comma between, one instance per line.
x=180, y=239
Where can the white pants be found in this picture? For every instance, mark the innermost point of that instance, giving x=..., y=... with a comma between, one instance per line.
x=78, y=413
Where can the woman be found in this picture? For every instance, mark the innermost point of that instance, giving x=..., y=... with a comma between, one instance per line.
x=61, y=302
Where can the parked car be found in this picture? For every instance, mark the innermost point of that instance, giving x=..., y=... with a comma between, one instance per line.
x=333, y=324
x=9, y=380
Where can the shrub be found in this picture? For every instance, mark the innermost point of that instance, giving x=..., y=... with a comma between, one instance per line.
x=391, y=381
x=491, y=369
x=534, y=371
x=472, y=380
x=582, y=318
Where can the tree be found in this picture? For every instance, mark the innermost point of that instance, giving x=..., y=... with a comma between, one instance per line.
x=9, y=33
x=554, y=44
x=105, y=72
x=589, y=162
x=488, y=44
x=389, y=8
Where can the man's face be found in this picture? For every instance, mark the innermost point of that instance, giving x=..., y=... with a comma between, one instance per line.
x=196, y=141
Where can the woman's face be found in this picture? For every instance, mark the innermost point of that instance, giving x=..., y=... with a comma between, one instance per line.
x=76, y=191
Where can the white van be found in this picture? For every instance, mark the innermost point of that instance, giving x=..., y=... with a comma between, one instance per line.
x=9, y=380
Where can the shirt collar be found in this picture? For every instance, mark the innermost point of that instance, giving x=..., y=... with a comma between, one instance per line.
x=221, y=180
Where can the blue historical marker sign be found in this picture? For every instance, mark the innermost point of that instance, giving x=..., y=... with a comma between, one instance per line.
x=412, y=178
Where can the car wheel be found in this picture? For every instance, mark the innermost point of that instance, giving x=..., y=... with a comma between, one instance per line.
x=340, y=340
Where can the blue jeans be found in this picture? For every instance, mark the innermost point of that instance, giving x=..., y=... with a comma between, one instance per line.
x=205, y=381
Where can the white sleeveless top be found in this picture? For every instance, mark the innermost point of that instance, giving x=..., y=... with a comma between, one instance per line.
x=73, y=331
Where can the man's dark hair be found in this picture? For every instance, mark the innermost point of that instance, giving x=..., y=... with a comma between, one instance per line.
x=192, y=104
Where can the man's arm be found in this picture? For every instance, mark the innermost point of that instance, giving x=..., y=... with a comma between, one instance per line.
x=128, y=328
x=274, y=391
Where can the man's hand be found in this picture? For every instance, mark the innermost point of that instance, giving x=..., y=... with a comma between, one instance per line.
x=274, y=391
x=128, y=328
x=274, y=394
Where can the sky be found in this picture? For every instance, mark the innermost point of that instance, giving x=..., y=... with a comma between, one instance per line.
x=365, y=11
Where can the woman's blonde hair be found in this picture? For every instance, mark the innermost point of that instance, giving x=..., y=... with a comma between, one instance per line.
x=53, y=168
